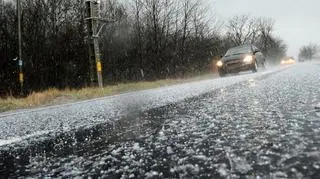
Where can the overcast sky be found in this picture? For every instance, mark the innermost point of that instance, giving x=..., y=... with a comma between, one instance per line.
x=297, y=21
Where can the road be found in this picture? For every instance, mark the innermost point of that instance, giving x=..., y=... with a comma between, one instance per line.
x=263, y=125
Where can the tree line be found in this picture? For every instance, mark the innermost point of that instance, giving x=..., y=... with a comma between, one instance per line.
x=149, y=40
x=308, y=52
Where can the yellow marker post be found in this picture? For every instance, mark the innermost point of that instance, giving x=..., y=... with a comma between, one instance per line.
x=21, y=77
x=99, y=66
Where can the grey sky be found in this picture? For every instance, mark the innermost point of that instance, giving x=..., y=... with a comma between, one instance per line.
x=297, y=21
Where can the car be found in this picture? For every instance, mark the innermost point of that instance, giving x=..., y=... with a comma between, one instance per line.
x=241, y=58
x=288, y=61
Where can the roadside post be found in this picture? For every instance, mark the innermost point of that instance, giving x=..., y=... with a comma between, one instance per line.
x=21, y=75
x=95, y=25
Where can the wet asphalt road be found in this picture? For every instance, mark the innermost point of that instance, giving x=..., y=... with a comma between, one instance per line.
x=265, y=126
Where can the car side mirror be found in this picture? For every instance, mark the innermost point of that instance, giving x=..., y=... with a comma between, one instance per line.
x=221, y=56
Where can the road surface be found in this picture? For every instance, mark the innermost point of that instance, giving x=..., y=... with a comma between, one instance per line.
x=263, y=125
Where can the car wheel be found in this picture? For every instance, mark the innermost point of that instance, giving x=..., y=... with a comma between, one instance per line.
x=255, y=67
x=222, y=74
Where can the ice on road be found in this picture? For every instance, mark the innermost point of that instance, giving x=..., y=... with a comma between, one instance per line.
x=21, y=125
x=263, y=125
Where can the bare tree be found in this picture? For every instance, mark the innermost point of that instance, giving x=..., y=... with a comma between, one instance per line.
x=265, y=40
x=277, y=51
x=139, y=31
x=242, y=29
x=308, y=52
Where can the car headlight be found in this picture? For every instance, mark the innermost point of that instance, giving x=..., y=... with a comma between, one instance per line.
x=219, y=63
x=248, y=59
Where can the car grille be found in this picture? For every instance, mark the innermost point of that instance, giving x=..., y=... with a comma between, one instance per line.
x=233, y=63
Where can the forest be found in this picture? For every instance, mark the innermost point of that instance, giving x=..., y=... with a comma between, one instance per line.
x=147, y=40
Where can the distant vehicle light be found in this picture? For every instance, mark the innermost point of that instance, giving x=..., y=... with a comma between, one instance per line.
x=288, y=62
x=219, y=63
x=291, y=61
x=248, y=59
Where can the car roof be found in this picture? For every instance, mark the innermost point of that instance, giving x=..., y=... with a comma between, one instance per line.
x=242, y=47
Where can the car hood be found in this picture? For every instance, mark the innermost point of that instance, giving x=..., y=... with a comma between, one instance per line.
x=234, y=57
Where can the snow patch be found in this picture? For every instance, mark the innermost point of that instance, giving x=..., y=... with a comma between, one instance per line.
x=169, y=150
x=116, y=151
x=151, y=174
x=238, y=164
x=188, y=168
x=136, y=147
x=12, y=140
x=223, y=170
x=201, y=157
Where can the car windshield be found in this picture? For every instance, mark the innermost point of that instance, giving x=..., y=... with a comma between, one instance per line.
x=238, y=50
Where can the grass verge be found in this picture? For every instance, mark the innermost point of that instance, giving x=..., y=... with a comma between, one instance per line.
x=55, y=97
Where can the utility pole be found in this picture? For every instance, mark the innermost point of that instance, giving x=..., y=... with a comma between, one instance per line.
x=21, y=76
x=2, y=6
x=94, y=28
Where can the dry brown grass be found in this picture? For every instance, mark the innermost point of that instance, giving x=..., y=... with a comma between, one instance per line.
x=54, y=96
x=32, y=100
